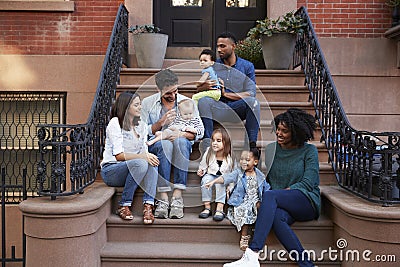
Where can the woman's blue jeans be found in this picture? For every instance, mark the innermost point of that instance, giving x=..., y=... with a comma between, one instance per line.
x=130, y=174
x=174, y=154
x=206, y=194
x=279, y=209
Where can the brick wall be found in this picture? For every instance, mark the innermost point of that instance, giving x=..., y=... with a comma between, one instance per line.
x=86, y=31
x=348, y=18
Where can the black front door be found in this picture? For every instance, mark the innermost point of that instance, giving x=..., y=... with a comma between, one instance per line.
x=198, y=22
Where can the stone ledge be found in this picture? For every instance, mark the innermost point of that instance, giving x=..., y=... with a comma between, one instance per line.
x=67, y=217
x=51, y=5
x=68, y=231
x=357, y=206
x=92, y=199
x=360, y=219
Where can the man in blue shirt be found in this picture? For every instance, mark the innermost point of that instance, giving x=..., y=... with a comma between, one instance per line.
x=238, y=94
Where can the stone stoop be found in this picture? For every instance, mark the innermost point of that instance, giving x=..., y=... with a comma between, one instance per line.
x=191, y=241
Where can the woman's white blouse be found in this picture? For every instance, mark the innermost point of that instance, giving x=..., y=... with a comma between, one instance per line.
x=119, y=140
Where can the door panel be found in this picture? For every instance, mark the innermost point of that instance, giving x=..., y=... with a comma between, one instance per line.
x=198, y=22
x=238, y=16
x=185, y=25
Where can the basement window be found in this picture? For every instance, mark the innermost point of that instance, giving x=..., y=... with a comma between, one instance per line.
x=20, y=115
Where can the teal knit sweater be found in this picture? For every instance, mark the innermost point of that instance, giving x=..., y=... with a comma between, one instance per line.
x=295, y=168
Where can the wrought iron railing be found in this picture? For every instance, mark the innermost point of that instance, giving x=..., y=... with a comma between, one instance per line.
x=76, y=150
x=365, y=163
x=9, y=196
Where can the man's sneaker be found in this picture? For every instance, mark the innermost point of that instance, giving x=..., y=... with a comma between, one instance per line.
x=176, y=208
x=249, y=259
x=161, y=211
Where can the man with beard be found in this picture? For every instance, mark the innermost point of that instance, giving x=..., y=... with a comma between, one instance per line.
x=158, y=111
x=238, y=94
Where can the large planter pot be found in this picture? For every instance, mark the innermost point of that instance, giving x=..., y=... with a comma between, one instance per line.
x=278, y=50
x=150, y=49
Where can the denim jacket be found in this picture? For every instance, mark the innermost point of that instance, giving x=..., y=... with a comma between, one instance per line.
x=238, y=177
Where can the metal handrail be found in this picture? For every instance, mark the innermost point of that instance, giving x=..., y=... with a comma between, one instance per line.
x=75, y=150
x=365, y=163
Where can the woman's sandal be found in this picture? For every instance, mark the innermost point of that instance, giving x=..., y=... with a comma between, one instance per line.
x=219, y=215
x=205, y=213
x=125, y=213
x=244, y=242
x=148, y=216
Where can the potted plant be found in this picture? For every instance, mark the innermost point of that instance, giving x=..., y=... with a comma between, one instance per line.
x=395, y=4
x=150, y=45
x=278, y=39
x=250, y=49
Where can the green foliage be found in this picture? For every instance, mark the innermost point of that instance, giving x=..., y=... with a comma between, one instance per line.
x=289, y=23
x=146, y=28
x=393, y=3
x=251, y=49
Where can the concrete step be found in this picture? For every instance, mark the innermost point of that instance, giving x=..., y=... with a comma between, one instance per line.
x=326, y=173
x=265, y=93
x=193, y=229
x=190, y=71
x=271, y=104
x=171, y=254
x=279, y=77
x=238, y=144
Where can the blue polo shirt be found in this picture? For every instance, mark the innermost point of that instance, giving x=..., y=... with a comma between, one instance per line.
x=238, y=78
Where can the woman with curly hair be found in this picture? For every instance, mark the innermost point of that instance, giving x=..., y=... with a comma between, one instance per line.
x=293, y=173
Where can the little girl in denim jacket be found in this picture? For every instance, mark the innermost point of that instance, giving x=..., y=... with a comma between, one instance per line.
x=217, y=160
x=246, y=195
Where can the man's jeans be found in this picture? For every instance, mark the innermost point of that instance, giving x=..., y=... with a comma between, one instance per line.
x=130, y=174
x=244, y=109
x=170, y=154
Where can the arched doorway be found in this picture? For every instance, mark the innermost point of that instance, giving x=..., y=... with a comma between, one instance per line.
x=196, y=23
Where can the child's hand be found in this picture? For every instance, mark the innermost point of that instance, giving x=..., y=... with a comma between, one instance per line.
x=208, y=185
x=258, y=204
x=228, y=192
x=200, y=172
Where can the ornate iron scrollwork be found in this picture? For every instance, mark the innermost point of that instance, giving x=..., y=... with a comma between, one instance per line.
x=79, y=146
x=353, y=154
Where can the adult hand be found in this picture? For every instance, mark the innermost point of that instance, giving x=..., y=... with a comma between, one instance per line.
x=206, y=85
x=222, y=86
x=168, y=117
x=172, y=135
x=152, y=159
x=200, y=172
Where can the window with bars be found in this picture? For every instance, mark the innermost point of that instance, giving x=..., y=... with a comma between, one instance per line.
x=21, y=113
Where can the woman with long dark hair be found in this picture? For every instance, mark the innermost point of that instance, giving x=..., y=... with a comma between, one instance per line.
x=126, y=161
